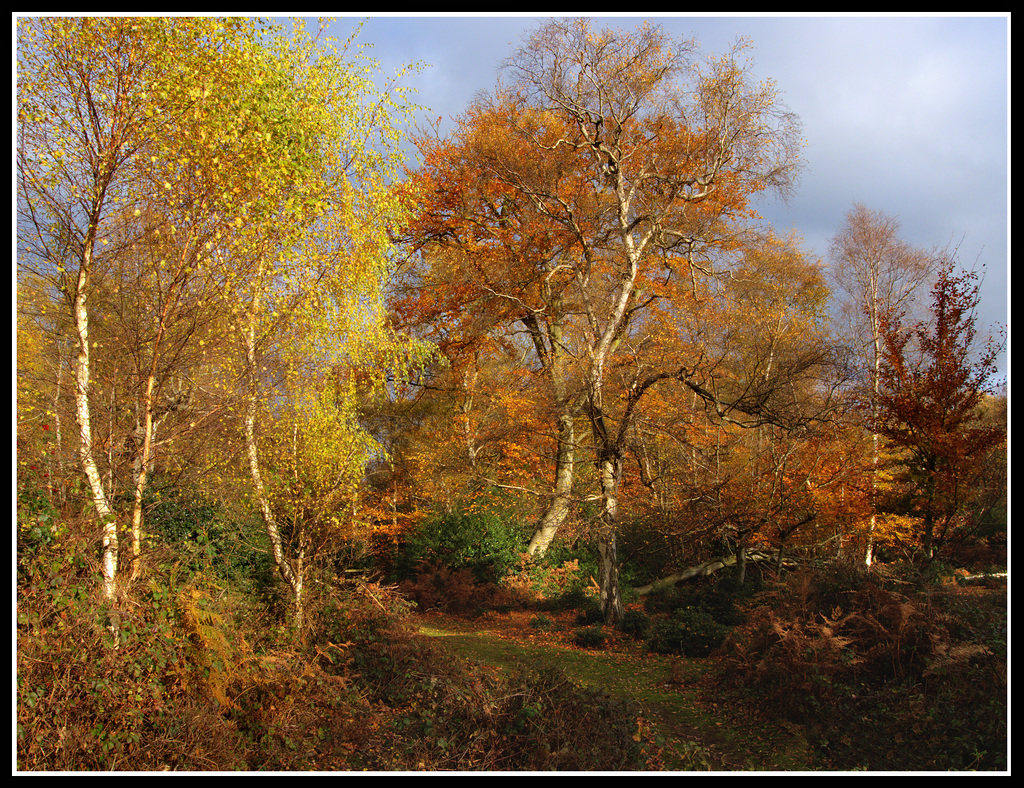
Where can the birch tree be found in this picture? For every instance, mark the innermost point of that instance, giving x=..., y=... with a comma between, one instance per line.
x=880, y=274
x=319, y=253
x=235, y=164
x=95, y=97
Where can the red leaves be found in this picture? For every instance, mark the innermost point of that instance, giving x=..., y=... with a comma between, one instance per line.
x=933, y=384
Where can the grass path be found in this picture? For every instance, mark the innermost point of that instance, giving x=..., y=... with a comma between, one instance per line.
x=672, y=691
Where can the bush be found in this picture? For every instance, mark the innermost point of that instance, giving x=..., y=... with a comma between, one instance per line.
x=455, y=591
x=589, y=637
x=573, y=598
x=635, y=623
x=541, y=622
x=589, y=611
x=188, y=529
x=84, y=704
x=546, y=581
x=483, y=543
x=549, y=723
x=882, y=679
x=721, y=597
x=664, y=601
x=691, y=632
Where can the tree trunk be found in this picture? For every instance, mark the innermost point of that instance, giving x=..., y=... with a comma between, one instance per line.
x=549, y=346
x=293, y=576
x=142, y=473
x=608, y=565
x=87, y=454
x=557, y=509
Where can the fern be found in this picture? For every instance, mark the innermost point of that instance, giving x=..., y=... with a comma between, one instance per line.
x=221, y=660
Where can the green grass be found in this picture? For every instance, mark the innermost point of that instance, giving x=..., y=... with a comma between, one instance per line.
x=666, y=687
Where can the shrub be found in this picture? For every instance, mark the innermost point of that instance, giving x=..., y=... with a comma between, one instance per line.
x=691, y=632
x=455, y=591
x=879, y=667
x=549, y=723
x=573, y=598
x=665, y=601
x=545, y=579
x=84, y=704
x=443, y=714
x=635, y=623
x=541, y=622
x=589, y=611
x=483, y=543
x=437, y=587
x=589, y=637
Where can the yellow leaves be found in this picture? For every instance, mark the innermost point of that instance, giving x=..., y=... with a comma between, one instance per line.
x=894, y=529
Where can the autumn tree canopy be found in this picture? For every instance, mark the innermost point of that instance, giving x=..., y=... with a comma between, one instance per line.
x=604, y=173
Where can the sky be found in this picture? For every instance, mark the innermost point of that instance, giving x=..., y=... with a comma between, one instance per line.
x=908, y=115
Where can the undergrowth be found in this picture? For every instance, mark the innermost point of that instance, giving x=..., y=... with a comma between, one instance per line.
x=195, y=669
x=883, y=675
x=179, y=678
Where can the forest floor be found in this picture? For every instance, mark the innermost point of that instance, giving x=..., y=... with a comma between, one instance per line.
x=676, y=694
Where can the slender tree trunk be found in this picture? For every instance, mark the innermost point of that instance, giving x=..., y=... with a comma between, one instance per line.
x=293, y=576
x=142, y=474
x=87, y=455
x=547, y=336
x=869, y=553
x=57, y=471
x=149, y=424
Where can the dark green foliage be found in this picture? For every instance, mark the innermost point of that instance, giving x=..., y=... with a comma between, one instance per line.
x=648, y=552
x=486, y=544
x=589, y=611
x=690, y=631
x=720, y=596
x=84, y=704
x=589, y=637
x=190, y=530
x=635, y=623
x=542, y=623
x=575, y=598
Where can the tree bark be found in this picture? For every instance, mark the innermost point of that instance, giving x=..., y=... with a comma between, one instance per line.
x=87, y=455
x=292, y=575
x=607, y=546
x=708, y=568
x=546, y=333
x=557, y=509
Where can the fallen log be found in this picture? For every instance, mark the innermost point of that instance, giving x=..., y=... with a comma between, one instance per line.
x=710, y=567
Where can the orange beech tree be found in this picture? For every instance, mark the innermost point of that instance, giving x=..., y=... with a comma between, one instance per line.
x=492, y=272
x=734, y=447
x=616, y=168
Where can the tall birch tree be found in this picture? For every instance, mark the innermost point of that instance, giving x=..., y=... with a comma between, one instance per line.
x=97, y=98
x=880, y=274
